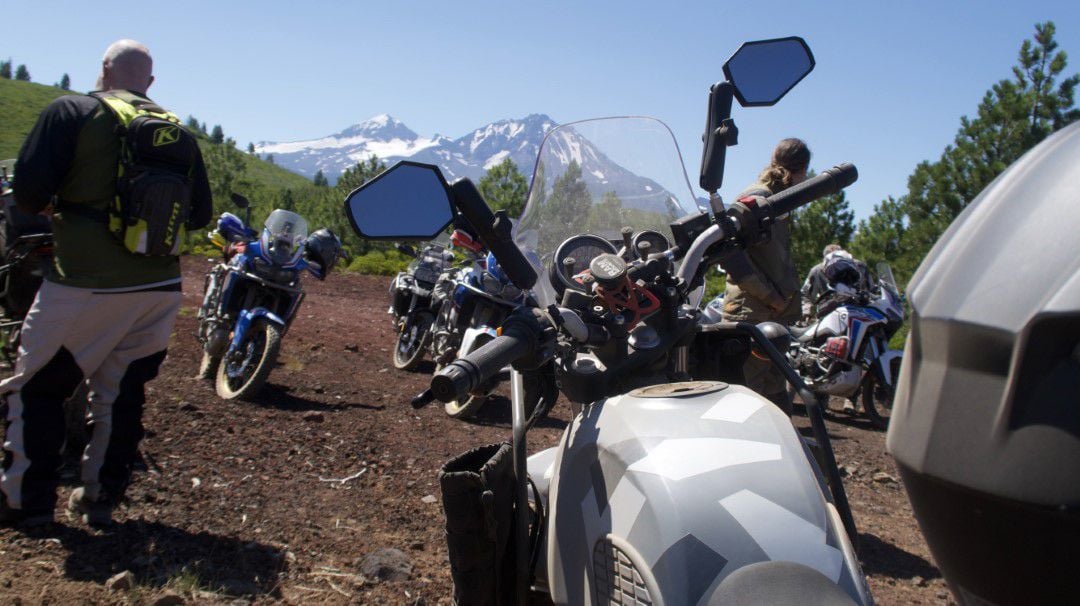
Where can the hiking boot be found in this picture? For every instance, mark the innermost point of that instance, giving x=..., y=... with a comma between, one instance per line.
x=23, y=518
x=92, y=513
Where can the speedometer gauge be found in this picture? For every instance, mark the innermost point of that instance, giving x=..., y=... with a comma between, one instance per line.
x=572, y=259
x=657, y=241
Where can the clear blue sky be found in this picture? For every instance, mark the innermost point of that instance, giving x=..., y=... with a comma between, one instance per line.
x=892, y=78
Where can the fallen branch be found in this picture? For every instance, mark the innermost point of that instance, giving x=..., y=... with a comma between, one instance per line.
x=345, y=479
x=337, y=589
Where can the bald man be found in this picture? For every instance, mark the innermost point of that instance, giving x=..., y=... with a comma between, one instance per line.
x=103, y=315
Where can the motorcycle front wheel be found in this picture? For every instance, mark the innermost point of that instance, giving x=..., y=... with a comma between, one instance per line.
x=877, y=398
x=412, y=338
x=242, y=374
x=208, y=366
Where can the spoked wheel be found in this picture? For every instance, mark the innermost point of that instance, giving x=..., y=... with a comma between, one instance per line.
x=463, y=409
x=413, y=335
x=241, y=374
x=9, y=341
x=877, y=398
x=470, y=405
x=208, y=366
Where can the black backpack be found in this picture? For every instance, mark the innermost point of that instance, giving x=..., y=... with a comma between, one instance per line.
x=154, y=175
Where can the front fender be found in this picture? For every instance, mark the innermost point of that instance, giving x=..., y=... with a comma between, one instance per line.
x=883, y=365
x=247, y=317
x=472, y=336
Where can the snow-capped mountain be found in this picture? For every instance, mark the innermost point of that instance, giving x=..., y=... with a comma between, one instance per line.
x=389, y=139
x=471, y=155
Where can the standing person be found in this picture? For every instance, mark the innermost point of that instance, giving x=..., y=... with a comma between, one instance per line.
x=815, y=283
x=762, y=283
x=839, y=275
x=122, y=180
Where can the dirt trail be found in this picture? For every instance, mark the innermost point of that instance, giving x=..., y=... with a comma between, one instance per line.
x=283, y=500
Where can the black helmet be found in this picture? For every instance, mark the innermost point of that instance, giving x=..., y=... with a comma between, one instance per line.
x=775, y=333
x=840, y=268
x=986, y=426
x=324, y=247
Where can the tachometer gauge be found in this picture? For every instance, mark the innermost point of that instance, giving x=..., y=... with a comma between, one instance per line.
x=657, y=241
x=572, y=258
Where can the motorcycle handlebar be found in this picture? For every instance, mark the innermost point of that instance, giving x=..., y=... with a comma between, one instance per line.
x=461, y=376
x=827, y=183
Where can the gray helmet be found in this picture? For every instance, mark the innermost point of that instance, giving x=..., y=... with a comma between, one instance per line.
x=986, y=424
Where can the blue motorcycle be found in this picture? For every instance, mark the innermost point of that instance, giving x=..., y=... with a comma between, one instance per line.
x=473, y=302
x=253, y=295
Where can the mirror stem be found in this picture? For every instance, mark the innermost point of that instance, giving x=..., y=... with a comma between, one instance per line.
x=716, y=203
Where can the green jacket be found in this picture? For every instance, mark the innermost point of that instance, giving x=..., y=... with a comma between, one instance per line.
x=762, y=282
x=72, y=153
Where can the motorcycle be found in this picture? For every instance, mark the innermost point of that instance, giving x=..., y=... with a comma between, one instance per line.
x=846, y=352
x=473, y=302
x=411, y=302
x=663, y=489
x=253, y=294
x=26, y=244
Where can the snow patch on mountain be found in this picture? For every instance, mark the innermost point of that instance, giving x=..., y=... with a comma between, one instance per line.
x=388, y=138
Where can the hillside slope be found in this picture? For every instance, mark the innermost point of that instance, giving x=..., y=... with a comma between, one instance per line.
x=21, y=102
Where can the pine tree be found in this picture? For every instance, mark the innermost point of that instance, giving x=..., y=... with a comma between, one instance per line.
x=504, y=187
x=822, y=222
x=65, y=82
x=217, y=135
x=21, y=73
x=320, y=179
x=878, y=237
x=288, y=202
x=251, y=148
x=364, y=171
x=1013, y=116
x=192, y=124
x=567, y=209
x=270, y=158
x=5, y=69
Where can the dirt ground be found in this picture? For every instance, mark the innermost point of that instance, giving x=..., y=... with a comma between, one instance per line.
x=286, y=499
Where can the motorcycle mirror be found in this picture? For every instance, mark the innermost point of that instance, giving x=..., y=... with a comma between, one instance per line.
x=763, y=71
x=239, y=200
x=410, y=201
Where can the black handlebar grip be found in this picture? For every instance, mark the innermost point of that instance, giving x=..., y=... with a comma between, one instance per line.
x=829, y=182
x=461, y=376
x=496, y=237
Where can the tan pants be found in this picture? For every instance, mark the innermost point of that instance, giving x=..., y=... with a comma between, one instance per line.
x=113, y=341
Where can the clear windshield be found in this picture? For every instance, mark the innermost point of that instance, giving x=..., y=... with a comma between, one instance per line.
x=598, y=176
x=287, y=225
x=885, y=274
x=285, y=231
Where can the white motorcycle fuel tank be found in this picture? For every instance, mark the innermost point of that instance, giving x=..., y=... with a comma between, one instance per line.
x=659, y=494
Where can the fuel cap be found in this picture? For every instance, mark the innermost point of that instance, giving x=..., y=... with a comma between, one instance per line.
x=608, y=270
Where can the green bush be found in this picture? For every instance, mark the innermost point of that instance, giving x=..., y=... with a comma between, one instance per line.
x=715, y=283
x=379, y=263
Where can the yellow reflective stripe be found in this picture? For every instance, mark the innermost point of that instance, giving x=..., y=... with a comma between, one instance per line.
x=126, y=112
